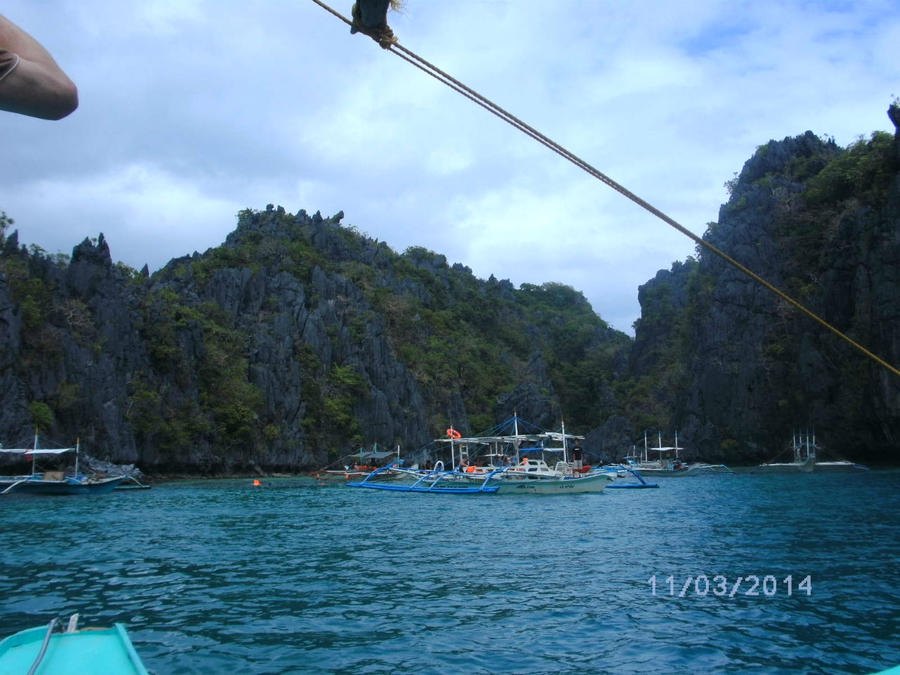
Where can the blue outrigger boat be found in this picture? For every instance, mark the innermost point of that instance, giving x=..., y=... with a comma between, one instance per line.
x=504, y=463
x=500, y=480
x=436, y=480
x=641, y=484
x=54, y=482
x=90, y=651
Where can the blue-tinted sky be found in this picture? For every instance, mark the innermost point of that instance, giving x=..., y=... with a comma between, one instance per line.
x=193, y=110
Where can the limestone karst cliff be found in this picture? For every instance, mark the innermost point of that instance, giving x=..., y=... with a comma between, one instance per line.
x=293, y=342
x=300, y=338
x=739, y=368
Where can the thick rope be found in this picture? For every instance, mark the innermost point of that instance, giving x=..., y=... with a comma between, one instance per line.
x=511, y=119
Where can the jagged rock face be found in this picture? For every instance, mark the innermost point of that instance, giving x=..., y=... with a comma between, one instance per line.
x=299, y=339
x=389, y=406
x=292, y=331
x=530, y=404
x=754, y=366
x=291, y=344
x=106, y=346
x=13, y=400
x=72, y=345
x=611, y=441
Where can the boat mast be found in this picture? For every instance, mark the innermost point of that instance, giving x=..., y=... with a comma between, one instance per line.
x=659, y=443
x=565, y=455
x=516, y=434
x=34, y=454
x=453, y=451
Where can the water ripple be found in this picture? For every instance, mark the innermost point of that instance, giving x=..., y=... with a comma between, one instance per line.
x=216, y=576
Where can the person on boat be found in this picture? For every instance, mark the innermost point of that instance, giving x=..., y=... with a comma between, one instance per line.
x=31, y=82
x=577, y=457
x=370, y=18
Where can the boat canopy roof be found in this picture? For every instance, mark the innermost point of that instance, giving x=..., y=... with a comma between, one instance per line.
x=540, y=448
x=513, y=430
x=38, y=451
x=375, y=454
x=521, y=438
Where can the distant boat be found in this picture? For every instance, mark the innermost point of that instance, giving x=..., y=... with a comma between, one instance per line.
x=361, y=464
x=90, y=651
x=54, y=482
x=667, y=462
x=805, y=458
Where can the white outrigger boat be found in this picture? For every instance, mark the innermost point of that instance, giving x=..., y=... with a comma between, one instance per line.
x=360, y=465
x=436, y=480
x=518, y=460
x=805, y=459
x=667, y=463
x=496, y=481
x=496, y=463
x=54, y=482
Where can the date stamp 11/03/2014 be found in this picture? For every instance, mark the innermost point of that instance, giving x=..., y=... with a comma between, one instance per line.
x=718, y=585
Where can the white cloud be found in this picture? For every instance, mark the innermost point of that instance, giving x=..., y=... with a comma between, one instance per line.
x=151, y=213
x=193, y=110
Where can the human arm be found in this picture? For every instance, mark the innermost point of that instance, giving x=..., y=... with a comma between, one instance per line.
x=33, y=83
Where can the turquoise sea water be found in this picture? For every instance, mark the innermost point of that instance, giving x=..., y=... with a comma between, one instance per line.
x=292, y=577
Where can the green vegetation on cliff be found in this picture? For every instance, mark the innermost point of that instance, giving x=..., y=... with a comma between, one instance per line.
x=296, y=340
x=300, y=338
x=741, y=369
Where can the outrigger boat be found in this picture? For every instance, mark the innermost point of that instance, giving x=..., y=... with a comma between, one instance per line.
x=519, y=459
x=805, y=450
x=89, y=651
x=360, y=465
x=498, y=463
x=54, y=482
x=668, y=463
x=436, y=480
x=622, y=472
x=496, y=481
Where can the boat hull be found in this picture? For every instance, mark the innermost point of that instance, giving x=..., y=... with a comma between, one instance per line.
x=454, y=489
x=106, y=651
x=552, y=486
x=340, y=476
x=495, y=482
x=838, y=467
x=809, y=466
x=34, y=486
x=669, y=473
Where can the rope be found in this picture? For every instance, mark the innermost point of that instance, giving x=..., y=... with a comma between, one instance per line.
x=514, y=121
